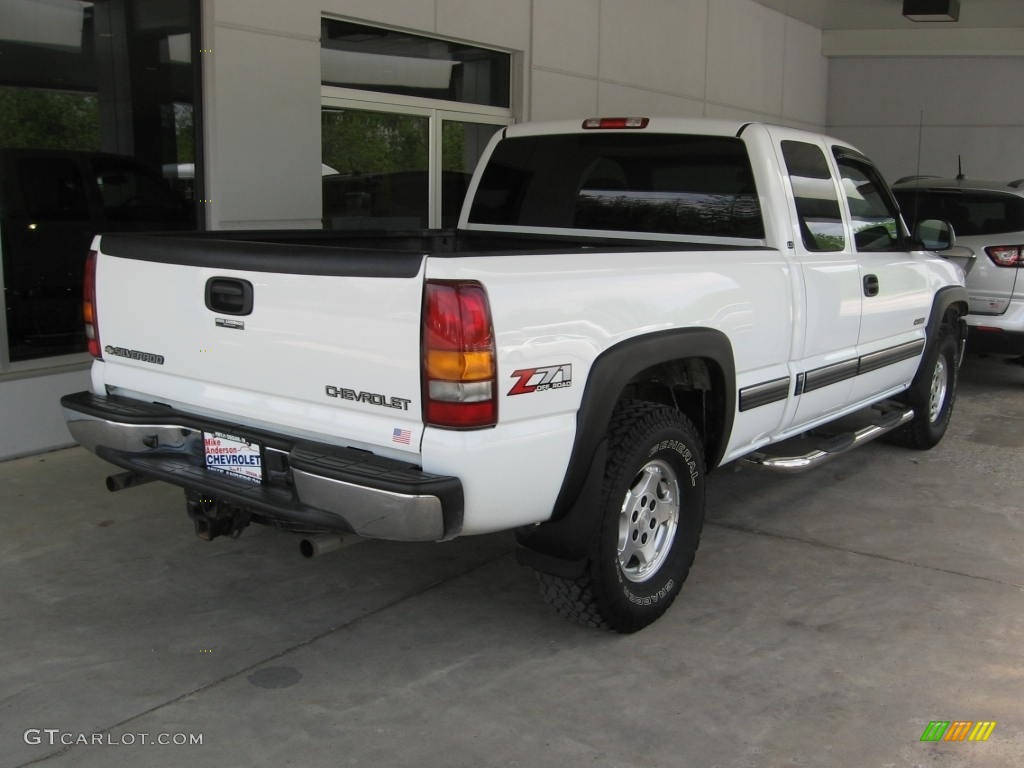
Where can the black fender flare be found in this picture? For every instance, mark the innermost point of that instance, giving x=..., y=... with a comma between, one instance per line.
x=561, y=545
x=944, y=299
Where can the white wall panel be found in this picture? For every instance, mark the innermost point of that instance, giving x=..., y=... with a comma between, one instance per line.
x=721, y=112
x=264, y=147
x=303, y=16
x=566, y=35
x=556, y=96
x=420, y=15
x=950, y=91
x=625, y=100
x=297, y=17
x=987, y=151
x=804, y=75
x=486, y=22
x=31, y=415
x=958, y=106
x=659, y=45
x=745, y=56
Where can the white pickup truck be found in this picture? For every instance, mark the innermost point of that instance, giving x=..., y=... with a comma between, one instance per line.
x=626, y=304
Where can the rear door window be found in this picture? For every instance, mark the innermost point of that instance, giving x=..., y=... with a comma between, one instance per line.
x=970, y=213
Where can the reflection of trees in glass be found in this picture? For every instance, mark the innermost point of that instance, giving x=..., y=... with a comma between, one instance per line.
x=43, y=119
x=184, y=133
x=703, y=214
x=373, y=142
x=453, y=143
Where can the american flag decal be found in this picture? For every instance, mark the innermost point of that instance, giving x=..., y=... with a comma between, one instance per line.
x=402, y=436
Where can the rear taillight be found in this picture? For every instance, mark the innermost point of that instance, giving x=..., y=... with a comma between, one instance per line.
x=92, y=328
x=1006, y=255
x=610, y=123
x=459, y=371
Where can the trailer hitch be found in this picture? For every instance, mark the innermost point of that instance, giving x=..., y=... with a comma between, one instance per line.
x=215, y=517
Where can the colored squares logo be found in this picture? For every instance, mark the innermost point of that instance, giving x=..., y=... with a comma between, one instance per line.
x=958, y=730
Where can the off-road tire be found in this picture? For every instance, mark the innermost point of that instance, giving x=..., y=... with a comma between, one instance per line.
x=648, y=525
x=932, y=395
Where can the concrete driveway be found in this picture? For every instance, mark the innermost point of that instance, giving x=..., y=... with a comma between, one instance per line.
x=828, y=620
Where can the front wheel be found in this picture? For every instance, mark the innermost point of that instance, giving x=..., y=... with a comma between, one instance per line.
x=649, y=522
x=932, y=395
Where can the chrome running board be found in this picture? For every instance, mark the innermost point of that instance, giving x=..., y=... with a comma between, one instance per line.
x=831, y=447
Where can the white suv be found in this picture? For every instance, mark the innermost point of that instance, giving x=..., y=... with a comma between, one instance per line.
x=987, y=218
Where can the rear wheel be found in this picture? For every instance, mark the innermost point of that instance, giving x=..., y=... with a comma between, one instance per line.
x=650, y=520
x=932, y=395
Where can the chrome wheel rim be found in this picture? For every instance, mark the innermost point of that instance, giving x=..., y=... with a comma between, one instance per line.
x=648, y=520
x=937, y=393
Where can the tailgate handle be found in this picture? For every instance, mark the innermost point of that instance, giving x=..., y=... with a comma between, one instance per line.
x=229, y=295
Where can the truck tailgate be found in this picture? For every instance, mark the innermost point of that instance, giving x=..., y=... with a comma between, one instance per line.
x=239, y=329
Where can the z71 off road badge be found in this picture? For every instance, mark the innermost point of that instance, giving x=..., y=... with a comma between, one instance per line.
x=540, y=379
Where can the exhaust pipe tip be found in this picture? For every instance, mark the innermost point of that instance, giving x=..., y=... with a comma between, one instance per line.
x=124, y=480
x=314, y=546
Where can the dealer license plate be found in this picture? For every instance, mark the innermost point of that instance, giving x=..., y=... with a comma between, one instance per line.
x=233, y=455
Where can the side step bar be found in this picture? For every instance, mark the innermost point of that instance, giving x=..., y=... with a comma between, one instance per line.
x=887, y=421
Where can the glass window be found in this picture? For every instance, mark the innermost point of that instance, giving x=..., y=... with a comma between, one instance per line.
x=131, y=192
x=970, y=213
x=52, y=188
x=97, y=133
x=375, y=170
x=383, y=60
x=817, y=205
x=404, y=120
x=462, y=144
x=681, y=185
x=873, y=214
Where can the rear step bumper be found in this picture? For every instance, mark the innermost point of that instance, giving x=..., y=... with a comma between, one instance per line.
x=310, y=487
x=886, y=421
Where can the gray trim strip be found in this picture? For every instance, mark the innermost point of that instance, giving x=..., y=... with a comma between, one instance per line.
x=848, y=369
x=765, y=393
x=885, y=357
x=829, y=374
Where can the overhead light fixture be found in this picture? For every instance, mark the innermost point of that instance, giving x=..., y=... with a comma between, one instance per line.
x=932, y=10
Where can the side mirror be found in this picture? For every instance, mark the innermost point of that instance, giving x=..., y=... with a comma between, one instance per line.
x=935, y=235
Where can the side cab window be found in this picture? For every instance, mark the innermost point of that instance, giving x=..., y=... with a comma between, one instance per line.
x=814, y=193
x=874, y=215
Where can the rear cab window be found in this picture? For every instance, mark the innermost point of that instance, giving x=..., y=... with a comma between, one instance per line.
x=679, y=185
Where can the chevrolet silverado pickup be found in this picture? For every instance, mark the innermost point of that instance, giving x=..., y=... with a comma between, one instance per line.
x=625, y=305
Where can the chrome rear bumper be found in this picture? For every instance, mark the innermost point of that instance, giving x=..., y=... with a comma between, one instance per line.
x=310, y=487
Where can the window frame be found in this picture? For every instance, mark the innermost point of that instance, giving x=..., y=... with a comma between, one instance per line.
x=845, y=156
x=434, y=110
x=806, y=233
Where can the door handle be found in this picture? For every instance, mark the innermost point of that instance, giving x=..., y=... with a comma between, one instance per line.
x=870, y=285
x=229, y=296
